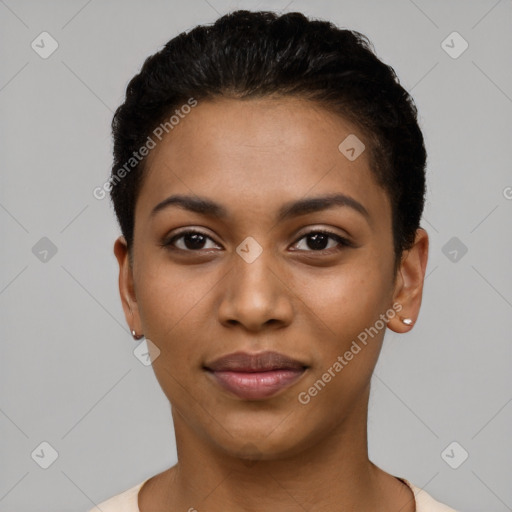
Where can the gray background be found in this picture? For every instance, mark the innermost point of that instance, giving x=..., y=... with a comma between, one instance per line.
x=68, y=375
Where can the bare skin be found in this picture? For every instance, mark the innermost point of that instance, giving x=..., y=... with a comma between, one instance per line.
x=197, y=304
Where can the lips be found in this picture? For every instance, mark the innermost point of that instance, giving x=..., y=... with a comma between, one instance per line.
x=255, y=376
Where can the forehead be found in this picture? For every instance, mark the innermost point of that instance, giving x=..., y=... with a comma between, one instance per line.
x=268, y=150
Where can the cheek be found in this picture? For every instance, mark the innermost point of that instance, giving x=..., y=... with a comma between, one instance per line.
x=171, y=305
x=345, y=307
x=170, y=297
x=346, y=300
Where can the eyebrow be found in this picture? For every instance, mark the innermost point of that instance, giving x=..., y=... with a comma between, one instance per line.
x=289, y=210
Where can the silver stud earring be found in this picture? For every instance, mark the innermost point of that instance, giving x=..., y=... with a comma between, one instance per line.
x=407, y=321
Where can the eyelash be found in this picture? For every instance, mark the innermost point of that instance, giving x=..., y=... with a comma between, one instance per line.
x=343, y=242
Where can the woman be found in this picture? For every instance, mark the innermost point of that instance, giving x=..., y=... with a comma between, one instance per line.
x=269, y=180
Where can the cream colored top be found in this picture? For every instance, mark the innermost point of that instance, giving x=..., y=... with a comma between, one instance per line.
x=128, y=501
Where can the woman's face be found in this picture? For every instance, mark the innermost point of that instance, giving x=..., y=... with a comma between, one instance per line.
x=260, y=277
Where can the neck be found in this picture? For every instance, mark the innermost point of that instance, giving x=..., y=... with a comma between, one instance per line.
x=332, y=474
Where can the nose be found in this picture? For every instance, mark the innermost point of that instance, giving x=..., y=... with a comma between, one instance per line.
x=255, y=295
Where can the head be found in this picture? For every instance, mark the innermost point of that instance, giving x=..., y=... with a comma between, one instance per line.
x=303, y=167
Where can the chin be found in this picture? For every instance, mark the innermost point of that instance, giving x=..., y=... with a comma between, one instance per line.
x=262, y=438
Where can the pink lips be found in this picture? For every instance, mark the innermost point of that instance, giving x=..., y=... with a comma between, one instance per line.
x=255, y=376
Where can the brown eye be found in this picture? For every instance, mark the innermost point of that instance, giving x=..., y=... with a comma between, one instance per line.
x=190, y=241
x=321, y=241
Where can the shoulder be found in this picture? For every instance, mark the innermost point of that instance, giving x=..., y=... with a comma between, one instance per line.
x=425, y=502
x=127, y=501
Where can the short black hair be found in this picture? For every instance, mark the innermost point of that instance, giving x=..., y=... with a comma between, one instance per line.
x=247, y=55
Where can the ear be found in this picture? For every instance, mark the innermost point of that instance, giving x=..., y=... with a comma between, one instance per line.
x=126, y=286
x=409, y=282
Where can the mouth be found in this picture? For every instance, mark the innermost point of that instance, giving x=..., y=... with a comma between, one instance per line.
x=255, y=376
